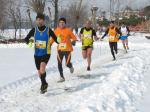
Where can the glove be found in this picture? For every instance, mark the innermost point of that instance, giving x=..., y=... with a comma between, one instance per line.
x=73, y=43
x=30, y=43
x=26, y=41
x=58, y=39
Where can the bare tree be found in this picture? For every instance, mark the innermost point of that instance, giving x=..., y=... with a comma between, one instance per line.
x=37, y=6
x=13, y=15
x=74, y=17
x=19, y=16
x=3, y=4
x=29, y=15
x=77, y=13
x=55, y=5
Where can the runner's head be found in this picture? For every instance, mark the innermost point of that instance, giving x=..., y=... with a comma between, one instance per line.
x=123, y=24
x=62, y=22
x=112, y=24
x=40, y=19
x=88, y=24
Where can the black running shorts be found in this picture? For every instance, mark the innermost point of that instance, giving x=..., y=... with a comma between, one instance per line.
x=40, y=59
x=86, y=47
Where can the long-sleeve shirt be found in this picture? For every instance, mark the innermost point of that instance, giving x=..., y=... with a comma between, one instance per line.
x=107, y=31
x=66, y=37
x=32, y=32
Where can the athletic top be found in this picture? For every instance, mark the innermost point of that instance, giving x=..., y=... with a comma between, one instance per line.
x=42, y=37
x=113, y=34
x=124, y=30
x=65, y=37
x=87, y=36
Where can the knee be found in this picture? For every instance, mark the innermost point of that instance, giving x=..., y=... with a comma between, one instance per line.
x=84, y=56
x=89, y=55
x=42, y=69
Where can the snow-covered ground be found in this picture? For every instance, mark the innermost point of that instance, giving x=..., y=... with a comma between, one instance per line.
x=111, y=86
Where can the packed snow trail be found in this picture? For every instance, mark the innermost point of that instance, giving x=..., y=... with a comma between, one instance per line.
x=110, y=87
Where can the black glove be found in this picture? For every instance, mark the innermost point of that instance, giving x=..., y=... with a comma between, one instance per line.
x=73, y=43
x=26, y=41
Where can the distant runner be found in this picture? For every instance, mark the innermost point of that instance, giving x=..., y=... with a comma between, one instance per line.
x=113, y=35
x=125, y=33
x=87, y=36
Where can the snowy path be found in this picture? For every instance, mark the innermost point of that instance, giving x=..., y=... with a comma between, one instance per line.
x=110, y=87
x=143, y=106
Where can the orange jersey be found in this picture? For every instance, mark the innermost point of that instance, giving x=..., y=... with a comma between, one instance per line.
x=113, y=36
x=65, y=36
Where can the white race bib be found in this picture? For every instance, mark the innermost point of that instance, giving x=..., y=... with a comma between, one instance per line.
x=40, y=44
x=87, y=36
x=62, y=46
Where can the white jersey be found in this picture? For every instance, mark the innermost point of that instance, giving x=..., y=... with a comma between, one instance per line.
x=124, y=31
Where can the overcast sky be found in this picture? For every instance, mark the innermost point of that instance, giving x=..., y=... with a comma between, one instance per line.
x=103, y=4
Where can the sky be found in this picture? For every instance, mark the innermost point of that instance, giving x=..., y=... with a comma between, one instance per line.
x=102, y=4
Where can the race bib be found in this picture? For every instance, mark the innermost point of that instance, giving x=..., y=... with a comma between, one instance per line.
x=87, y=36
x=111, y=38
x=40, y=44
x=124, y=33
x=62, y=46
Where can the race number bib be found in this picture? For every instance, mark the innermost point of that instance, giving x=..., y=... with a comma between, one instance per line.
x=87, y=36
x=111, y=38
x=124, y=33
x=62, y=46
x=40, y=44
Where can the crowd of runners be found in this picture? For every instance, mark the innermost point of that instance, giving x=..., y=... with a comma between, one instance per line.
x=44, y=37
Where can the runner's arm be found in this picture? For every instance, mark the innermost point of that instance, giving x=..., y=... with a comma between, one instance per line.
x=80, y=34
x=73, y=37
x=128, y=30
x=119, y=32
x=106, y=33
x=94, y=35
x=29, y=35
x=52, y=34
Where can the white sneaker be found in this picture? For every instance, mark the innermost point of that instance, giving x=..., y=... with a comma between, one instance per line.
x=61, y=80
x=71, y=70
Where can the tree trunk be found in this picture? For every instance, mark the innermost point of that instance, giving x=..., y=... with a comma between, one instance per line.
x=56, y=14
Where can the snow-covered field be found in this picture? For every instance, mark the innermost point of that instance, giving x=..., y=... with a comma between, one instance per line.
x=111, y=86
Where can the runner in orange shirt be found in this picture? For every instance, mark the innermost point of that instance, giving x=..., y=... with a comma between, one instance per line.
x=66, y=39
x=113, y=35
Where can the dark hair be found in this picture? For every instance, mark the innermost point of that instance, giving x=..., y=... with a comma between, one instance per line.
x=113, y=22
x=123, y=23
x=41, y=16
x=62, y=19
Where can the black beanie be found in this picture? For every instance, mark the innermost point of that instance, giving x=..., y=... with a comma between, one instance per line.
x=41, y=16
x=62, y=19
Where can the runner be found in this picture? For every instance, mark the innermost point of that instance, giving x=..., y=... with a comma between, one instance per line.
x=66, y=39
x=113, y=34
x=87, y=36
x=42, y=35
x=125, y=33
